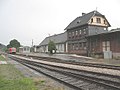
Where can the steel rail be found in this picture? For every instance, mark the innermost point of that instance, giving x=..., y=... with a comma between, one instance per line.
x=92, y=79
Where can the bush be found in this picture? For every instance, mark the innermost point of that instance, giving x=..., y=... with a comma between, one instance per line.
x=51, y=47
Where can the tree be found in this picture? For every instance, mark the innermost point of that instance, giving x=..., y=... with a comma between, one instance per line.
x=51, y=47
x=3, y=48
x=14, y=43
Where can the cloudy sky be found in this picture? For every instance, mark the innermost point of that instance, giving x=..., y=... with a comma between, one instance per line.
x=25, y=20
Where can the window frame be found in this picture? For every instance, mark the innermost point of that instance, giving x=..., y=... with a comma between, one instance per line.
x=98, y=20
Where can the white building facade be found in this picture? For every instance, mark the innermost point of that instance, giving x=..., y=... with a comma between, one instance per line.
x=24, y=49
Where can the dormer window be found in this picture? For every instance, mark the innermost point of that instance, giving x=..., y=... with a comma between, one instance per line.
x=78, y=21
x=92, y=20
x=105, y=22
x=98, y=20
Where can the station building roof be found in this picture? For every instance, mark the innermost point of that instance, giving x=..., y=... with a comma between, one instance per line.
x=57, y=38
x=84, y=19
x=109, y=32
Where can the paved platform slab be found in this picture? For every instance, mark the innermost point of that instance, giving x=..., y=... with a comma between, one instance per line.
x=78, y=58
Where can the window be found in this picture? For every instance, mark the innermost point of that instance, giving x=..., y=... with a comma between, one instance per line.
x=92, y=20
x=69, y=46
x=84, y=31
x=72, y=33
x=61, y=47
x=84, y=45
x=80, y=45
x=80, y=32
x=73, y=47
x=76, y=46
x=27, y=48
x=76, y=32
x=69, y=35
x=106, y=45
x=98, y=20
x=78, y=22
x=24, y=48
x=104, y=22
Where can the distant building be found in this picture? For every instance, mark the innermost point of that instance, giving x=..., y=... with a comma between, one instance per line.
x=60, y=41
x=88, y=24
x=36, y=49
x=24, y=49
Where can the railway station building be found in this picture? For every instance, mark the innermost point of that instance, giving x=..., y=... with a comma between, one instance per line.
x=86, y=35
x=86, y=25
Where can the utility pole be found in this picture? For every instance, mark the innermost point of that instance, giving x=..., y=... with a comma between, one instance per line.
x=49, y=37
x=32, y=46
x=32, y=42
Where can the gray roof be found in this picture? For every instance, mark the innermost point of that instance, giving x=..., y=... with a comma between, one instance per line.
x=57, y=38
x=111, y=31
x=83, y=20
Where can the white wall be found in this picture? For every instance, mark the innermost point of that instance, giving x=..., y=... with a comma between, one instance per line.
x=60, y=48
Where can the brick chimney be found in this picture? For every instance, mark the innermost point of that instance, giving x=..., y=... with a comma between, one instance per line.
x=83, y=14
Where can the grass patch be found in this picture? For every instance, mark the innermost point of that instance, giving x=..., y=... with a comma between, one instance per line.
x=39, y=82
x=8, y=72
x=12, y=79
x=21, y=84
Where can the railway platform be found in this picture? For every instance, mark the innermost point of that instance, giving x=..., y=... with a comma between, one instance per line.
x=78, y=58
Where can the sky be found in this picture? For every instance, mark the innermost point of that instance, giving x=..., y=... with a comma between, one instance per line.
x=27, y=20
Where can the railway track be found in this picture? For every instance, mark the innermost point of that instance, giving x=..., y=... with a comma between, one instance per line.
x=78, y=79
x=50, y=59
